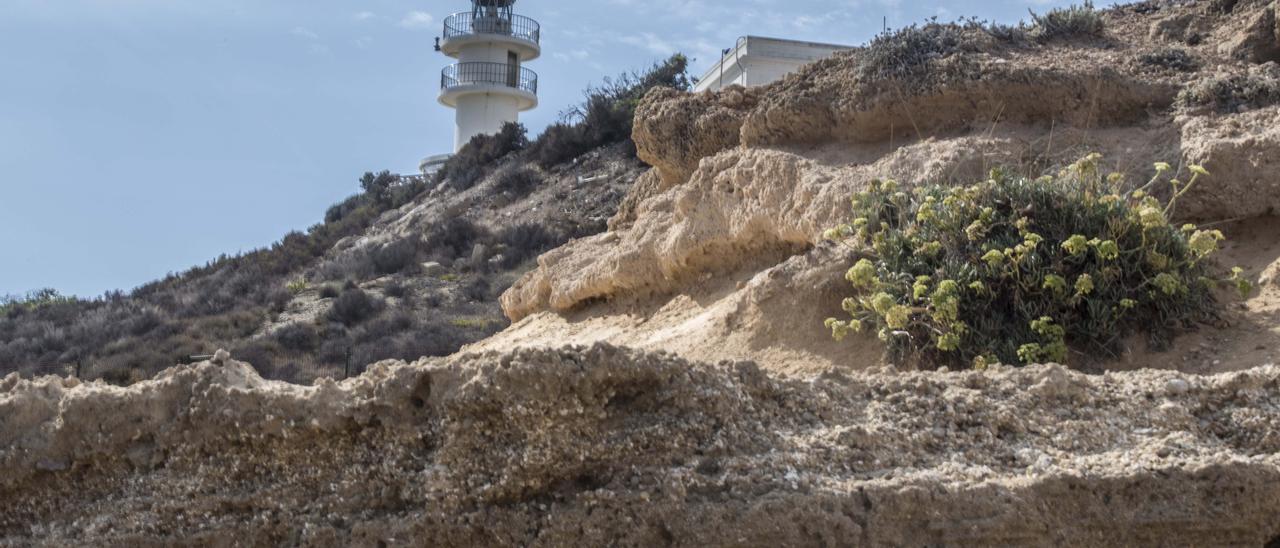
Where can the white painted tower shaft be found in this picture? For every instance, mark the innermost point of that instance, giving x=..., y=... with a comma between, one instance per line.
x=489, y=85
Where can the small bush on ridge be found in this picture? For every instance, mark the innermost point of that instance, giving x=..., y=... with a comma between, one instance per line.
x=354, y=306
x=1018, y=270
x=453, y=238
x=517, y=181
x=1232, y=94
x=378, y=186
x=559, y=144
x=1172, y=59
x=524, y=241
x=1079, y=20
x=605, y=116
x=395, y=256
x=297, y=337
x=907, y=51
x=477, y=156
x=396, y=289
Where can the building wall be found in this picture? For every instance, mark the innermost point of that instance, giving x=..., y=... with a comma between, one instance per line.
x=484, y=53
x=483, y=114
x=761, y=71
x=756, y=61
x=732, y=75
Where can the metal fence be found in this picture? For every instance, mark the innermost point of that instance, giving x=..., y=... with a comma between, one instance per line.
x=517, y=26
x=52, y=369
x=348, y=368
x=500, y=74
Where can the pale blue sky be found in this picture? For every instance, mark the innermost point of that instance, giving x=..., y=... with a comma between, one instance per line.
x=139, y=137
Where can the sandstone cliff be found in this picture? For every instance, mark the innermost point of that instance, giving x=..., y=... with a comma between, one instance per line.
x=746, y=181
x=603, y=446
x=669, y=382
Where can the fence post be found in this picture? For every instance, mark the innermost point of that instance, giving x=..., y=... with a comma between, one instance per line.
x=79, y=364
x=346, y=368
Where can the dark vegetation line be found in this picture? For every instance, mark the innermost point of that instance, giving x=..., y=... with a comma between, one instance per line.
x=125, y=337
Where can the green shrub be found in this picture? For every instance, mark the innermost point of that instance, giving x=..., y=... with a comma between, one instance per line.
x=395, y=256
x=906, y=52
x=471, y=323
x=524, y=241
x=296, y=286
x=396, y=289
x=454, y=238
x=297, y=337
x=1069, y=22
x=517, y=181
x=341, y=209
x=1172, y=59
x=465, y=168
x=478, y=289
x=354, y=306
x=378, y=186
x=1233, y=93
x=1019, y=270
x=560, y=143
x=35, y=300
x=605, y=116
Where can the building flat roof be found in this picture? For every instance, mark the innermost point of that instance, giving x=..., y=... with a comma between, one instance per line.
x=733, y=56
x=798, y=42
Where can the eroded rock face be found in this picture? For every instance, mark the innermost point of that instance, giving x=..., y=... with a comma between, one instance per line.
x=1258, y=39
x=1242, y=152
x=600, y=445
x=760, y=206
x=648, y=185
x=674, y=130
x=962, y=92
x=721, y=219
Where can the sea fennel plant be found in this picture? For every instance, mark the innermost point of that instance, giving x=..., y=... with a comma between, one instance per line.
x=1023, y=270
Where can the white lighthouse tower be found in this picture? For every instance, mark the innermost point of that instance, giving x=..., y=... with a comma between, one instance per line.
x=488, y=86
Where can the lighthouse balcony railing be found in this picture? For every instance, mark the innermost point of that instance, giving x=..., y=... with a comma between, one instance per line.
x=497, y=74
x=515, y=26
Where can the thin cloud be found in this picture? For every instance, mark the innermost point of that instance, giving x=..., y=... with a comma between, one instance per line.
x=649, y=41
x=305, y=33
x=364, y=16
x=572, y=55
x=417, y=20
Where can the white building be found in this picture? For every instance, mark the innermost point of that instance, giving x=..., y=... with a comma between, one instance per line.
x=489, y=85
x=756, y=61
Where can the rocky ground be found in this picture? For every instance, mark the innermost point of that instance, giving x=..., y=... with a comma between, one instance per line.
x=603, y=445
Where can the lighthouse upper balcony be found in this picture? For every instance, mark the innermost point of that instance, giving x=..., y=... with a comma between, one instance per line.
x=520, y=33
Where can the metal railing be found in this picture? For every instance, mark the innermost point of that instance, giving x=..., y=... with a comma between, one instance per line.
x=500, y=74
x=518, y=26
